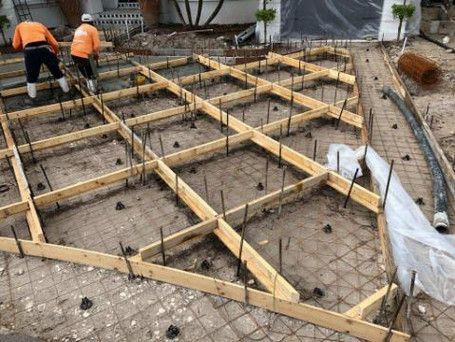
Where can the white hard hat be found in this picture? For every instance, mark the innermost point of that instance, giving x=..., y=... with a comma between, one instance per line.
x=86, y=18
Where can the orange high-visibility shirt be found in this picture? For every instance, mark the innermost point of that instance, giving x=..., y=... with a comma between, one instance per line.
x=86, y=41
x=30, y=32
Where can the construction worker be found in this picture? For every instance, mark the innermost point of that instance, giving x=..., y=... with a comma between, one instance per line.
x=40, y=47
x=85, y=49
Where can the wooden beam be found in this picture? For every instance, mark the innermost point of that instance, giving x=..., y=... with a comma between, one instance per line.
x=372, y=303
x=110, y=96
x=233, y=216
x=45, y=85
x=31, y=214
x=333, y=74
x=256, y=264
x=359, y=194
x=13, y=209
x=311, y=314
x=198, y=230
x=93, y=184
x=103, y=45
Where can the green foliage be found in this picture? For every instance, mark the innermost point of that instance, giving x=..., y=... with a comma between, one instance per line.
x=4, y=21
x=403, y=11
x=266, y=15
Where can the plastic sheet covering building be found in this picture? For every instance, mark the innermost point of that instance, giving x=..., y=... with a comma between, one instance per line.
x=337, y=19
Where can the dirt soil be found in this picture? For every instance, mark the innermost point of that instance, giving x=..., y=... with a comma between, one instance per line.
x=439, y=99
x=175, y=37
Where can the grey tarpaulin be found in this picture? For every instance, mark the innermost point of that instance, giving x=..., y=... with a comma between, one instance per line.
x=340, y=19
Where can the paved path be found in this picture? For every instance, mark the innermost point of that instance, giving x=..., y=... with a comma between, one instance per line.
x=438, y=321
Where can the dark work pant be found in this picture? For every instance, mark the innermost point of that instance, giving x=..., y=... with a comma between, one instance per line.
x=36, y=57
x=83, y=64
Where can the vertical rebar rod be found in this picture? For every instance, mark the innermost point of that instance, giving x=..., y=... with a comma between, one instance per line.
x=350, y=188
x=315, y=149
x=48, y=182
x=18, y=243
x=206, y=187
x=163, y=253
x=128, y=264
x=242, y=238
x=280, y=255
x=338, y=162
x=280, y=205
x=336, y=88
x=389, y=178
x=341, y=113
x=177, y=202
x=223, y=207
x=161, y=145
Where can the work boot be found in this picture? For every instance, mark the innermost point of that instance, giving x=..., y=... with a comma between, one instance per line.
x=63, y=84
x=31, y=90
x=92, y=88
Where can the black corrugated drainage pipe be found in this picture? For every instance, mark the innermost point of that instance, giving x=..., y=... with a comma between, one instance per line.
x=440, y=219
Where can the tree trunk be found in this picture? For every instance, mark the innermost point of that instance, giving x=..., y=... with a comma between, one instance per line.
x=265, y=32
x=151, y=11
x=3, y=36
x=264, y=7
x=399, y=30
x=215, y=12
x=199, y=12
x=188, y=13
x=179, y=12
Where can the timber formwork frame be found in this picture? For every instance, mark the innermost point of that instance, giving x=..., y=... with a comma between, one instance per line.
x=279, y=296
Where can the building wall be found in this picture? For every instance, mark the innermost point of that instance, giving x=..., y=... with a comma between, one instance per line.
x=46, y=13
x=232, y=12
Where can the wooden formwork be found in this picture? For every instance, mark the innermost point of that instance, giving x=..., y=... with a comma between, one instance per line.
x=279, y=296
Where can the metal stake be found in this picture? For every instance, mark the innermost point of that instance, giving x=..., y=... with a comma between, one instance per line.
x=48, y=182
x=222, y=204
x=163, y=255
x=315, y=149
x=245, y=218
x=389, y=177
x=128, y=264
x=350, y=188
x=18, y=244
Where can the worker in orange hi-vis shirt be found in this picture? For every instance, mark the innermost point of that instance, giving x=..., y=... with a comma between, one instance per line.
x=86, y=45
x=40, y=47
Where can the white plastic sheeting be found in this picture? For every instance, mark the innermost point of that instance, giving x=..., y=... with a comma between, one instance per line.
x=416, y=245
